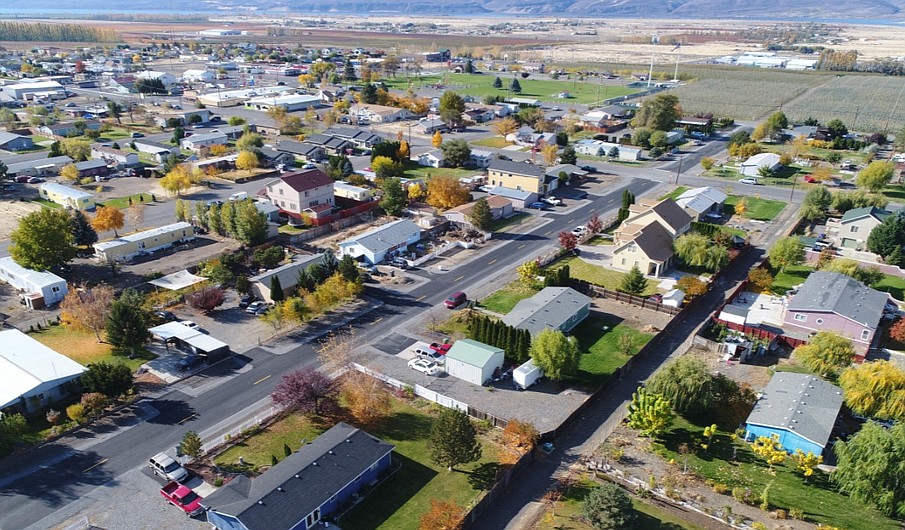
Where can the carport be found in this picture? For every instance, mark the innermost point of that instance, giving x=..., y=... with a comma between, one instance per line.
x=191, y=341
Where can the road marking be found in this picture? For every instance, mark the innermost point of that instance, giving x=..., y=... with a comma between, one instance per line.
x=261, y=380
x=491, y=262
x=571, y=221
x=94, y=466
x=547, y=233
x=521, y=246
x=459, y=278
x=180, y=422
x=422, y=297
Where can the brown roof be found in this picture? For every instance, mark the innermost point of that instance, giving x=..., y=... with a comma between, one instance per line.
x=493, y=201
x=497, y=201
x=306, y=180
x=667, y=209
x=655, y=242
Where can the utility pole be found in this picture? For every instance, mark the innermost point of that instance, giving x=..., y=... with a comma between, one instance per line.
x=679, y=170
x=792, y=194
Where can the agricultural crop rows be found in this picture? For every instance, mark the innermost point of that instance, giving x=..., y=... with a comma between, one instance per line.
x=862, y=102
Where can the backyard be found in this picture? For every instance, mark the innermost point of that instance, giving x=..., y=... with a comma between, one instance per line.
x=414, y=170
x=606, y=344
x=757, y=209
x=82, y=346
x=597, y=275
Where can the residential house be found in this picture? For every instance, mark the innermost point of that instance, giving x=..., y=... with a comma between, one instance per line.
x=572, y=172
x=600, y=148
x=526, y=136
x=698, y=202
x=199, y=76
x=15, y=142
x=432, y=158
x=126, y=247
x=381, y=113
x=520, y=176
x=66, y=130
x=66, y=196
x=525, y=102
x=33, y=376
x=271, y=212
x=309, y=191
x=751, y=167
x=830, y=301
x=473, y=361
x=361, y=138
x=353, y=193
x=191, y=341
x=852, y=230
x=431, y=125
x=799, y=410
x=307, y=151
x=602, y=117
x=500, y=207
x=270, y=157
x=186, y=117
x=168, y=80
x=38, y=167
x=479, y=114
x=645, y=238
x=518, y=198
x=197, y=142
x=558, y=308
x=329, y=144
x=376, y=244
x=38, y=289
x=675, y=136
x=305, y=488
x=92, y=168
x=482, y=159
x=114, y=157
x=160, y=152
x=288, y=276
x=691, y=124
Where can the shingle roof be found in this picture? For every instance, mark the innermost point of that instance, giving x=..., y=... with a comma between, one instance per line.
x=800, y=403
x=307, y=478
x=306, y=180
x=6, y=137
x=289, y=272
x=385, y=236
x=511, y=193
x=858, y=213
x=570, y=169
x=297, y=148
x=472, y=352
x=550, y=308
x=518, y=168
x=672, y=214
x=655, y=242
x=837, y=293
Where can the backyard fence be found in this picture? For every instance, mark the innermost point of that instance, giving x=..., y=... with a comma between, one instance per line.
x=503, y=479
x=334, y=226
x=639, y=301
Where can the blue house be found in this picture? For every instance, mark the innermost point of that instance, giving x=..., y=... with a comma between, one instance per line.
x=304, y=489
x=800, y=409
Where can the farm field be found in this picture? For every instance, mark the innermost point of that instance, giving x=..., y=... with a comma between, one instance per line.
x=863, y=102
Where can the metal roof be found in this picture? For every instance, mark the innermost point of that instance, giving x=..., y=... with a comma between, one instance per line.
x=803, y=404
x=140, y=236
x=473, y=352
x=385, y=236
x=26, y=364
x=517, y=168
x=872, y=211
x=66, y=191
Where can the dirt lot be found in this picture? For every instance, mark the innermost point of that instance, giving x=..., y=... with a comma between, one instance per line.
x=11, y=212
x=633, y=316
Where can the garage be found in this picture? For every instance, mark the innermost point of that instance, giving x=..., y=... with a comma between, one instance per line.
x=191, y=341
x=473, y=361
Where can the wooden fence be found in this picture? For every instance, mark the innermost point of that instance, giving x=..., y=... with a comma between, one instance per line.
x=335, y=226
x=501, y=484
x=640, y=301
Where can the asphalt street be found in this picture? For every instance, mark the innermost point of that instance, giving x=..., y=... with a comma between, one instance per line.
x=69, y=474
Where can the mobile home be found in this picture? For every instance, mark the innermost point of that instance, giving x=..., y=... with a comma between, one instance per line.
x=127, y=247
x=66, y=196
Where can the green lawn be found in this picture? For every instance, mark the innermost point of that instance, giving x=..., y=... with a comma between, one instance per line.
x=503, y=300
x=735, y=465
x=602, y=353
x=258, y=449
x=123, y=202
x=790, y=277
x=115, y=134
x=893, y=285
x=480, y=85
x=47, y=204
x=415, y=171
x=600, y=241
x=291, y=230
x=758, y=209
x=597, y=275
x=82, y=346
x=497, y=142
x=504, y=224
x=674, y=194
x=399, y=502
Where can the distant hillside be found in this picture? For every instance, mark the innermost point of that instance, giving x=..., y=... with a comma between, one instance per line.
x=886, y=10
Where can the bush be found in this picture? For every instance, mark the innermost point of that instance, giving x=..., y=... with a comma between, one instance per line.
x=77, y=413
x=796, y=513
x=720, y=488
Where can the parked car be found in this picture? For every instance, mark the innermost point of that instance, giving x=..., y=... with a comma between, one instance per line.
x=429, y=355
x=580, y=230
x=166, y=316
x=589, y=168
x=137, y=135
x=167, y=467
x=424, y=366
x=486, y=188
x=553, y=201
x=183, y=498
x=22, y=179
x=35, y=180
x=713, y=215
x=191, y=325
x=263, y=309
x=538, y=206
x=455, y=300
x=189, y=362
x=751, y=181
x=253, y=307
x=246, y=299
x=399, y=262
x=442, y=349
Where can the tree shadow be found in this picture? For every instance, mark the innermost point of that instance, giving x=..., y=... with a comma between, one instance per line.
x=482, y=477
x=381, y=503
x=171, y=411
x=405, y=426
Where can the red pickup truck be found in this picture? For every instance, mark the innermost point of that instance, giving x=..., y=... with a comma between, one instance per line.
x=183, y=498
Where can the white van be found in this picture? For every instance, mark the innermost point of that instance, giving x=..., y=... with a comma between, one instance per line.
x=238, y=196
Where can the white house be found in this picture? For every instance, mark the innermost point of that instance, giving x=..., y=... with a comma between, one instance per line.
x=198, y=141
x=198, y=76
x=288, y=276
x=66, y=196
x=382, y=113
x=432, y=158
x=481, y=158
x=698, y=202
x=348, y=191
x=374, y=245
x=38, y=289
x=168, y=80
x=114, y=156
x=32, y=376
x=751, y=167
x=599, y=148
x=129, y=246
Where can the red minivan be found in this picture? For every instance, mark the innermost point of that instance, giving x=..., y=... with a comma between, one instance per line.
x=455, y=300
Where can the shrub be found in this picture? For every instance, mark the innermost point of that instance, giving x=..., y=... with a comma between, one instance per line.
x=780, y=514
x=796, y=513
x=77, y=412
x=740, y=494
x=720, y=488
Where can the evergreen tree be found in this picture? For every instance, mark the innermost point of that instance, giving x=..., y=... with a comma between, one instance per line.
x=276, y=290
x=83, y=234
x=453, y=439
x=480, y=216
x=515, y=87
x=634, y=282
x=348, y=269
x=55, y=150
x=497, y=82
x=304, y=281
x=349, y=71
x=127, y=326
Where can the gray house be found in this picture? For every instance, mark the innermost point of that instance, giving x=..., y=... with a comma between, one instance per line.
x=288, y=275
x=560, y=308
x=855, y=226
x=376, y=244
x=15, y=142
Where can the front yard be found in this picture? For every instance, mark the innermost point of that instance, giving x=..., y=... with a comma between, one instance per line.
x=415, y=171
x=503, y=300
x=757, y=209
x=123, y=202
x=597, y=275
x=82, y=346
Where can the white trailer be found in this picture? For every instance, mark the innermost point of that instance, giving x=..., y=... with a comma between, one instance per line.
x=526, y=375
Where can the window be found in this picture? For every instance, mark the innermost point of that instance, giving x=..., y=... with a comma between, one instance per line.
x=819, y=321
x=623, y=261
x=281, y=191
x=854, y=229
x=306, y=194
x=865, y=334
x=55, y=289
x=801, y=318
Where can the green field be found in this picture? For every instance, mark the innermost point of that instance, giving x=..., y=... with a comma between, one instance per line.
x=480, y=85
x=503, y=300
x=758, y=209
x=597, y=275
x=123, y=202
x=602, y=353
x=83, y=347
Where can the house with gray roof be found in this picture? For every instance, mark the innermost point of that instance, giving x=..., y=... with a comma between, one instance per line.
x=519, y=176
x=519, y=198
x=37, y=167
x=15, y=142
x=288, y=275
x=698, y=202
x=560, y=308
x=798, y=409
x=830, y=301
x=306, y=150
x=331, y=144
x=307, y=487
x=377, y=244
x=362, y=138
x=855, y=225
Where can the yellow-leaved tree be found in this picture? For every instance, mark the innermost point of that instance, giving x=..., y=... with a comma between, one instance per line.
x=108, y=218
x=247, y=160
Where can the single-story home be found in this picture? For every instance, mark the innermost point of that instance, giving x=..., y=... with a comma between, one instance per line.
x=288, y=275
x=798, y=409
x=481, y=158
x=571, y=171
x=519, y=198
x=698, y=202
x=33, y=376
x=330, y=144
x=432, y=158
x=751, y=167
x=127, y=247
x=15, y=142
x=65, y=130
x=500, y=207
x=159, y=151
x=306, y=487
x=198, y=141
x=305, y=150
x=39, y=289
x=191, y=340
x=381, y=113
x=473, y=361
x=361, y=138
x=348, y=191
x=600, y=148
x=66, y=196
x=560, y=308
x=92, y=168
x=374, y=245
x=114, y=157
x=199, y=76
x=38, y=167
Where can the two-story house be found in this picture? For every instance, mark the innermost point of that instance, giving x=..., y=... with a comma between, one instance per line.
x=309, y=191
x=852, y=230
x=645, y=238
x=520, y=176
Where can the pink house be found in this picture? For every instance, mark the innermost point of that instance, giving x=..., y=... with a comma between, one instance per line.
x=829, y=301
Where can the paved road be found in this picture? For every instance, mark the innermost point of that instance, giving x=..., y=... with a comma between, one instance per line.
x=73, y=473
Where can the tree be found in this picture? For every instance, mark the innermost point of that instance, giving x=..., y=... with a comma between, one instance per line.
x=416, y=192
x=446, y=192
x=276, y=290
x=816, y=202
x=515, y=87
x=94, y=402
x=519, y=438
x=761, y=278
x=453, y=439
x=568, y=155
x=250, y=223
x=806, y=463
x=568, y=241
x=235, y=121
x=110, y=379
x=528, y=273
x=451, y=107
x=437, y=139
x=76, y=148
x=177, y=180
x=456, y=152
x=769, y=448
x=115, y=111
x=594, y=224
x=70, y=172
x=692, y=286
x=549, y=152
x=87, y=308
x=786, y=252
x=136, y=213
x=825, y=353
x=307, y=391
x=349, y=71
x=80, y=228
x=206, y=300
x=875, y=176
x=649, y=413
x=497, y=82
x=875, y=389
x=659, y=113
x=707, y=163
x=12, y=427
x=42, y=240
x=394, y=197
x=554, y=353
x=888, y=236
x=191, y=445
x=481, y=217
x=348, y=269
x=634, y=282
x=247, y=160
x=366, y=397
x=608, y=507
x=692, y=249
x=443, y=515
x=837, y=128
x=127, y=326
x=505, y=126
x=870, y=467
x=108, y=218
x=853, y=269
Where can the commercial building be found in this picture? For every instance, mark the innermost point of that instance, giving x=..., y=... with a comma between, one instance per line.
x=290, y=102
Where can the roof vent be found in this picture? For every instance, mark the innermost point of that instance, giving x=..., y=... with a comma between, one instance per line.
x=348, y=441
x=313, y=463
x=330, y=451
x=297, y=475
x=279, y=488
x=261, y=503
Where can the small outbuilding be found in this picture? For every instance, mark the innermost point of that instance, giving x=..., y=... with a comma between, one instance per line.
x=191, y=341
x=473, y=361
x=38, y=289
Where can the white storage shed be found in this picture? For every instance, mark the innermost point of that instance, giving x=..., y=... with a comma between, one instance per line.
x=473, y=361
